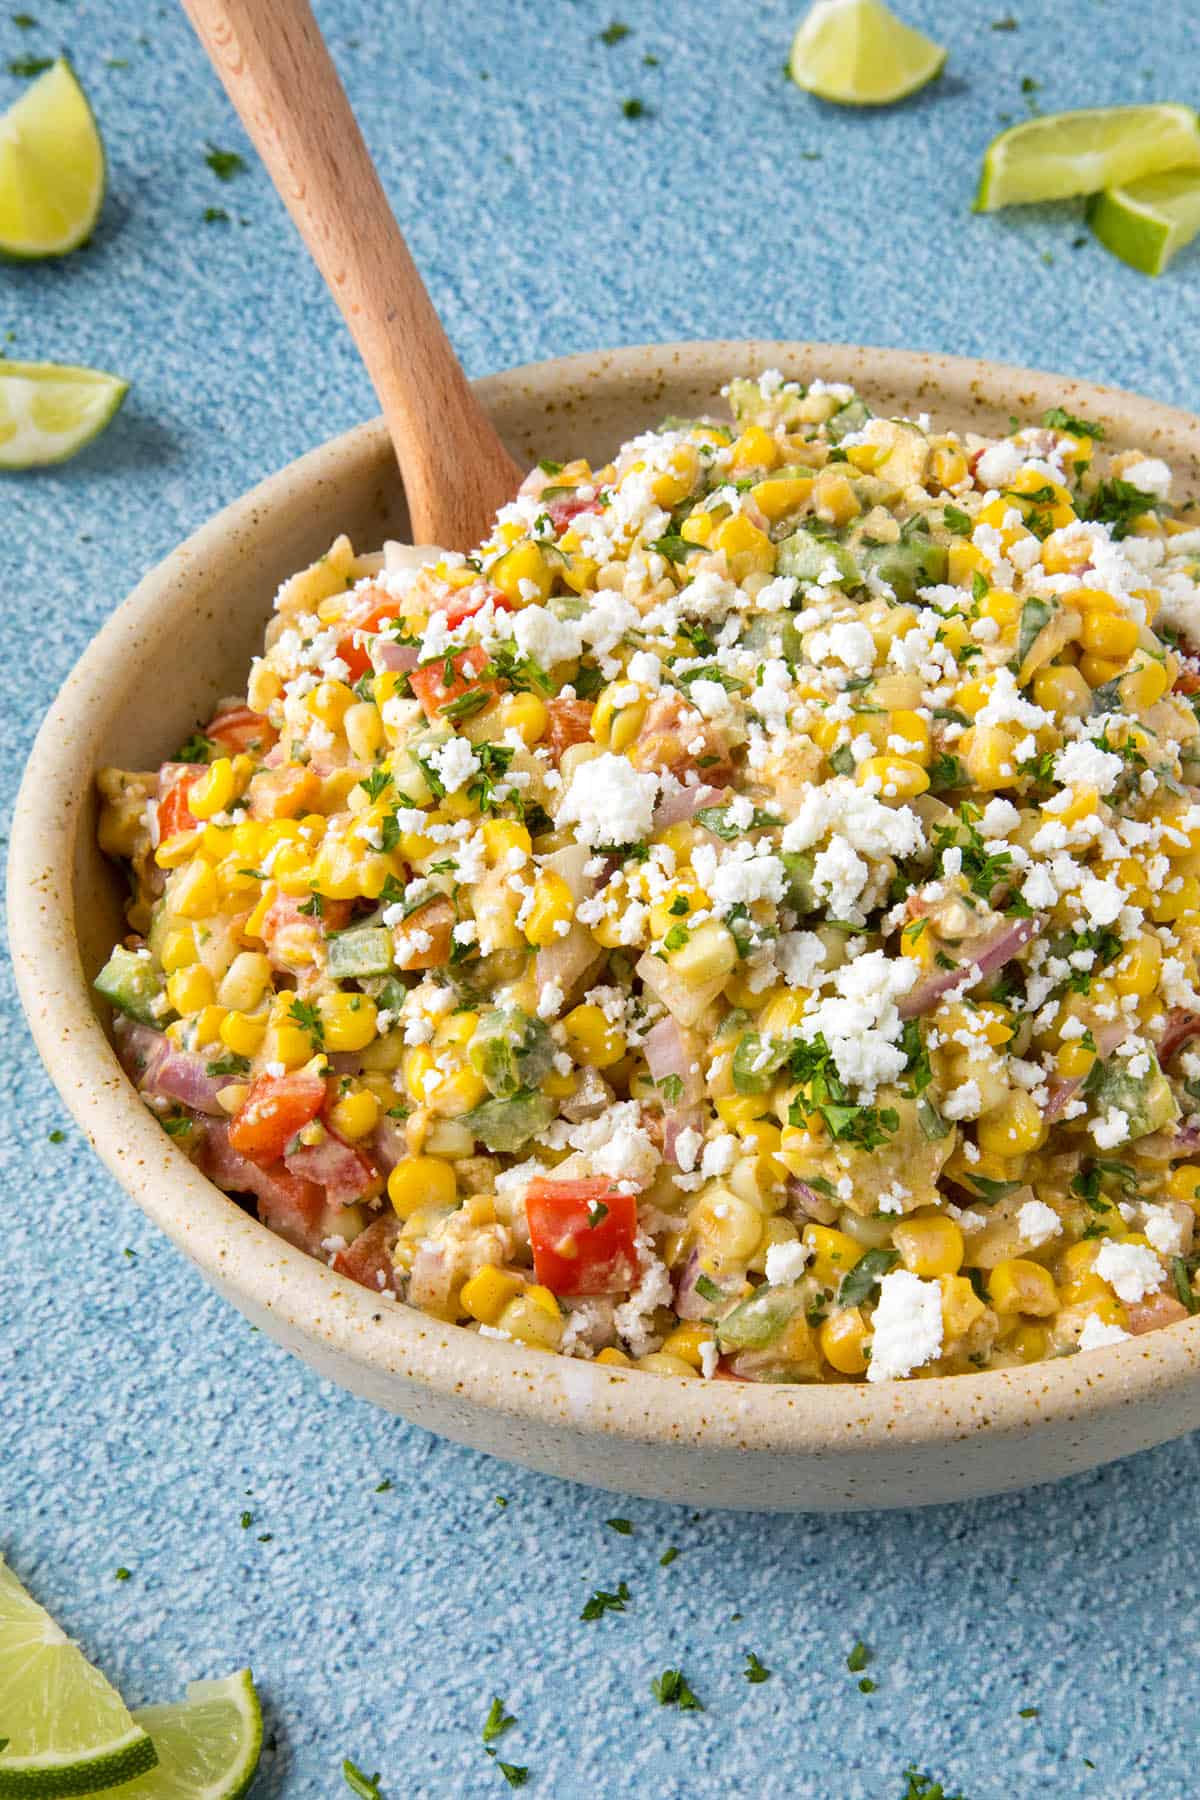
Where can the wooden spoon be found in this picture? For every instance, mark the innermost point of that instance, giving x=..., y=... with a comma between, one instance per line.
x=279, y=75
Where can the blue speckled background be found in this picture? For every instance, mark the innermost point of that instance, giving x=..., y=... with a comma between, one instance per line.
x=140, y=1417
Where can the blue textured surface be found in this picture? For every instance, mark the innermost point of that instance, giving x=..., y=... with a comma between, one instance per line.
x=141, y=1417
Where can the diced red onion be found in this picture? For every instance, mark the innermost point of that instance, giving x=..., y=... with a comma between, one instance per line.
x=567, y=960
x=684, y=803
x=342, y=1172
x=668, y=1052
x=991, y=955
x=392, y=658
x=1180, y=1028
x=685, y=1004
x=389, y=1145
x=151, y=1060
x=675, y=1123
x=809, y=1201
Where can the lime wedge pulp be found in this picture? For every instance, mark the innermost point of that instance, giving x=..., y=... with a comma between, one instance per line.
x=1063, y=154
x=1145, y=222
x=51, y=168
x=48, y=411
x=858, y=53
x=68, y=1731
x=208, y=1745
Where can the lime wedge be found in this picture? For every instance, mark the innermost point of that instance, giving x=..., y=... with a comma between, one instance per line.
x=208, y=1745
x=68, y=1731
x=51, y=168
x=48, y=411
x=859, y=53
x=1062, y=154
x=1147, y=221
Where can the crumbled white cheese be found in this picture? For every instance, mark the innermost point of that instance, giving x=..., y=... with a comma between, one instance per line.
x=1037, y=1223
x=1131, y=1270
x=785, y=1263
x=907, y=1326
x=1096, y=1335
x=609, y=801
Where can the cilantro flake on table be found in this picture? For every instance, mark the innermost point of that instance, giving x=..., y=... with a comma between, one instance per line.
x=633, y=108
x=602, y=1602
x=225, y=164
x=858, y=1658
x=755, y=1670
x=30, y=65
x=498, y=1721
x=668, y=1556
x=920, y=1786
x=516, y=1774
x=671, y=1688
x=623, y=1527
x=613, y=34
x=365, y=1786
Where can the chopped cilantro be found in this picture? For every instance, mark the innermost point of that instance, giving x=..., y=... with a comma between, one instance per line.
x=612, y=34
x=956, y=519
x=246, y=1521
x=858, y=1658
x=516, y=1774
x=215, y=215
x=123, y=1574
x=365, y=1786
x=923, y=1787
x=676, y=549
x=671, y=1689
x=602, y=1602
x=497, y=1721
x=233, y=1064
x=196, y=749
x=225, y=164
x=707, y=1288
x=1117, y=504
x=755, y=1671
x=374, y=784
x=384, y=1486
x=623, y=1527
x=668, y=1556
x=635, y=109
x=30, y=65
x=57, y=1136
x=1057, y=419
x=1028, y=1712
x=855, y=1288
x=304, y=1013
x=866, y=1685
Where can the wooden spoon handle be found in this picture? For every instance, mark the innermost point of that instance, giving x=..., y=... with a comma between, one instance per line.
x=279, y=75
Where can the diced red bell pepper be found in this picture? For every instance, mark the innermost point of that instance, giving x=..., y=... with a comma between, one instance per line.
x=276, y=1108
x=376, y=609
x=436, y=921
x=173, y=811
x=238, y=729
x=568, y=507
x=431, y=687
x=582, y=1233
x=464, y=603
x=370, y=1255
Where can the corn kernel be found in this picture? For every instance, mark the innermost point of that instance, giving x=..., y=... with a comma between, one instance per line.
x=961, y=1306
x=748, y=550
x=289, y=1045
x=355, y=1115
x=243, y=1033
x=178, y=949
x=1014, y=1128
x=687, y=1341
x=780, y=495
x=195, y=893
x=614, y=1359
x=833, y=1253
x=591, y=1038
x=364, y=730
x=524, y=564
x=709, y=954
x=348, y=1020
x=246, y=980
x=754, y=449
x=420, y=1181
x=552, y=908
x=214, y=790
x=892, y=777
x=929, y=1245
x=842, y=1337
x=1062, y=690
x=1022, y=1286
x=527, y=715
x=329, y=702
x=486, y=1294
x=501, y=837
x=1107, y=634
x=191, y=989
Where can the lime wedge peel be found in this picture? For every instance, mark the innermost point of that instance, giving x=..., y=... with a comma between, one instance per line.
x=69, y=1731
x=858, y=53
x=51, y=168
x=1146, y=222
x=1060, y=155
x=49, y=411
x=208, y=1745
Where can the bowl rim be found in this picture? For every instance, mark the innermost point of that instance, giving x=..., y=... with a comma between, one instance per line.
x=294, y=1293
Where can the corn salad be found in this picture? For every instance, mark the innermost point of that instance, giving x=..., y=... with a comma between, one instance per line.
x=742, y=922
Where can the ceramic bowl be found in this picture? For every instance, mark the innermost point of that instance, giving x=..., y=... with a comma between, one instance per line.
x=184, y=638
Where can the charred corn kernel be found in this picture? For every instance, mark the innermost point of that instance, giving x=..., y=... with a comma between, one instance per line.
x=287, y=1044
x=178, y=949
x=614, y=1359
x=348, y=1021
x=697, y=528
x=501, y=837
x=527, y=715
x=1144, y=685
x=1098, y=671
x=329, y=702
x=1062, y=689
x=843, y=1339
x=1106, y=634
x=948, y=466
x=962, y=562
x=618, y=715
x=1002, y=605
x=930, y=1245
x=214, y=790
x=191, y=989
x=1183, y=1183
x=1137, y=970
x=1180, y=897
x=420, y=1181
x=243, y=1033
x=486, y=1294
x=591, y=1038
x=913, y=731
x=246, y=980
x=355, y=1115
x=892, y=777
x=710, y=954
x=780, y=495
x=552, y=910
x=457, y=1093
x=364, y=730
x=990, y=756
x=658, y=1362
x=1073, y=1061
x=1022, y=1286
x=754, y=449
x=195, y=893
x=687, y=1341
x=961, y=1306
x=534, y=1319
x=523, y=575
x=833, y=497
x=1014, y=1128
x=832, y=1253
x=726, y=1227
x=748, y=550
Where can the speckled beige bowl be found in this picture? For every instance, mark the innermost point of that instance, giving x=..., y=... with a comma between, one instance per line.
x=185, y=637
